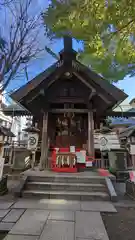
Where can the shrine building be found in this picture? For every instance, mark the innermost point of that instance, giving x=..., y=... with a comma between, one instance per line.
x=68, y=101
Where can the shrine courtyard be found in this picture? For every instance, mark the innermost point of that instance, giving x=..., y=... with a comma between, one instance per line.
x=68, y=103
x=35, y=219
x=60, y=219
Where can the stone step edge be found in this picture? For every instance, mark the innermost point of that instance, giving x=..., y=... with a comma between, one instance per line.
x=102, y=194
x=67, y=184
x=67, y=176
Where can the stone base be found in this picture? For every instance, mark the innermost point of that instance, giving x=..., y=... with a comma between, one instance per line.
x=122, y=176
x=130, y=189
x=3, y=185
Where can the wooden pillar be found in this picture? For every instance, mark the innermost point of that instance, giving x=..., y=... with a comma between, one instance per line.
x=44, y=144
x=33, y=160
x=90, y=134
x=133, y=161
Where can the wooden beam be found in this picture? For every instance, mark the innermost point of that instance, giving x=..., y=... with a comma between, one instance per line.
x=67, y=44
x=41, y=92
x=68, y=110
x=90, y=134
x=44, y=143
x=104, y=98
x=42, y=87
x=32, y=98
x=58, y=75
x=84, y=81
x=92, y=94
x=68, y=100
x=91, y=87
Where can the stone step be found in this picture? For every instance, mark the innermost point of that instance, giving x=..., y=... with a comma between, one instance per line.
x=67, y=195
x=67, y=179
x=60, y=186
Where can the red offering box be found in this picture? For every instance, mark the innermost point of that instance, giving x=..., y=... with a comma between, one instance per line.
x=64, y=168
x=63, y=149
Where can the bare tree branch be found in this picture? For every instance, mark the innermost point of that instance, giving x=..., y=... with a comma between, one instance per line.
x=21, y=45
x=5, y=2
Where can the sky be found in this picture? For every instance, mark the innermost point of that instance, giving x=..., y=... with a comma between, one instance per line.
x=46, y=60
x=128, y=85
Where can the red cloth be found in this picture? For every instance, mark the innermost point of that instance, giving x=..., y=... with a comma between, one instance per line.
x=104, y=172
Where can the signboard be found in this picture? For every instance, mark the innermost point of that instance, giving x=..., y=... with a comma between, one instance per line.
x=104, y=143
x=72, y=149
x=2, y=160
x=32, y=141
x=80, y=157
x=89, y=164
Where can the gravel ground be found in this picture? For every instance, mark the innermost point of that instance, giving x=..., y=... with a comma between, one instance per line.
x=121, y=225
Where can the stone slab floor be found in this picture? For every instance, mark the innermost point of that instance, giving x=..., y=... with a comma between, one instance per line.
x=44, y=219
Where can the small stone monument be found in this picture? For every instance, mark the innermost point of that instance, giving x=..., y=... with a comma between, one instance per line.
x=33, y=135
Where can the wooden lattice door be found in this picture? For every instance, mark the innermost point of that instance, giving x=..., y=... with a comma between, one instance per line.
x=70, y=129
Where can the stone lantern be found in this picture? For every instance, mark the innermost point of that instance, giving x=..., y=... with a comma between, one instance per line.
x=33, y=136
x=127, y=138
x=4, y=134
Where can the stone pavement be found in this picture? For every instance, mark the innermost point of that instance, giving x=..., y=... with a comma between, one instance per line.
x=56, y=219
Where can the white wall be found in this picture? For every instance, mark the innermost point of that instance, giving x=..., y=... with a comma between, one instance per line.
x=5, y=121
x=133, y=104
x=123, y=107
x=112, y=138
x=18, y=124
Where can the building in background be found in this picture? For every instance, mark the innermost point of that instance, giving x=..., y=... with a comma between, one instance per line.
x=124, y=106
x=5, y=121
x=15, y=123
x=120, y=123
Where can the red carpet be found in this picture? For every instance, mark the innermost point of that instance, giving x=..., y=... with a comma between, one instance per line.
x=104, y=172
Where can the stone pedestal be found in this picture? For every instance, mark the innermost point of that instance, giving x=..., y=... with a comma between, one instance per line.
x=112, y=159
x=130, y=189
x=19, y=155
x=3, y=185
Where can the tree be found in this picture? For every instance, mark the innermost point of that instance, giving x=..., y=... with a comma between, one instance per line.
x=107, y=29
x=5, y=2
x=20, y=44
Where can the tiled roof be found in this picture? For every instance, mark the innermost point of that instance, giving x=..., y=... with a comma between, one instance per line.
x=131, y=110
x=127, y=132
x=6, y=132
x=122, y=121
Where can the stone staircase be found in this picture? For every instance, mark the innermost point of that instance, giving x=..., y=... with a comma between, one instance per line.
x=68, y=187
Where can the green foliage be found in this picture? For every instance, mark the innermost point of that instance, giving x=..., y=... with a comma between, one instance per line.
x=113, y=171
x=106, y=27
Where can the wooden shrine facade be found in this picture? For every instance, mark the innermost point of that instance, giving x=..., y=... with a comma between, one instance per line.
x=67, y=102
